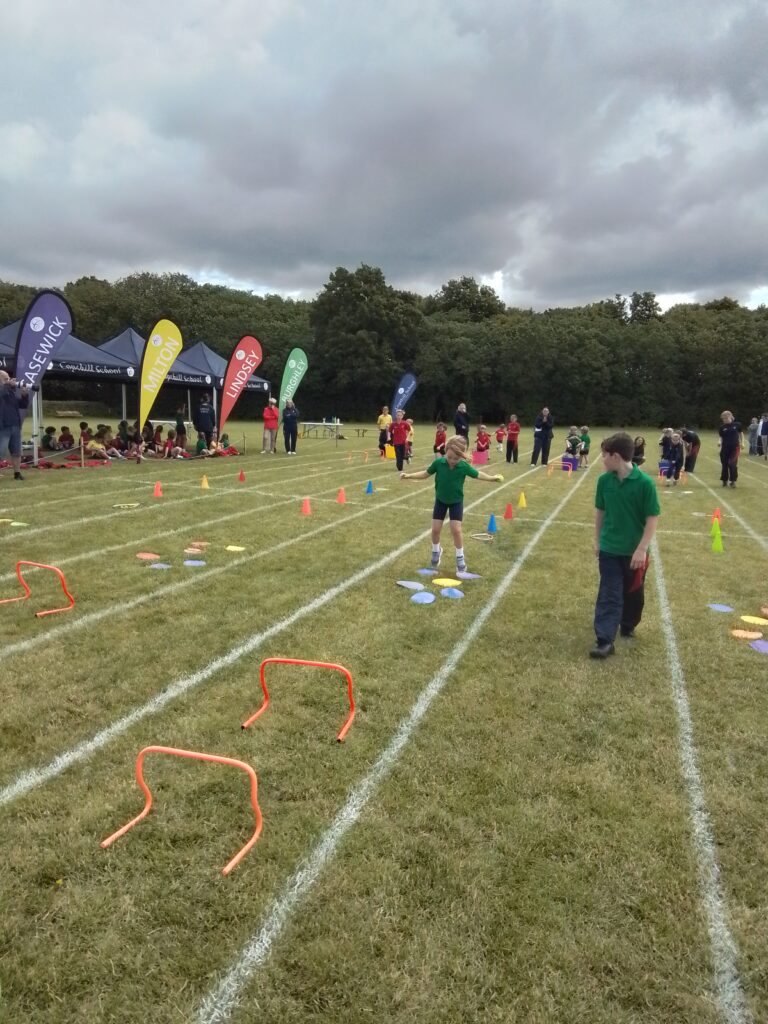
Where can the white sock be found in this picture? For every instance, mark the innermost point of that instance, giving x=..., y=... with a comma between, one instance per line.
x=435, y=548
x=459, y=554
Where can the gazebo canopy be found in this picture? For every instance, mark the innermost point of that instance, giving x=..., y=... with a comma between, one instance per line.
x=74, y=359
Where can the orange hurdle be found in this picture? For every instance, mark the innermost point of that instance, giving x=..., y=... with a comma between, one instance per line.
x=195, y=757
x=312, y=664
x=25, y=585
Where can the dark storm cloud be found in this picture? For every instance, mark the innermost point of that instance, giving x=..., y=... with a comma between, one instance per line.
x=577, y=149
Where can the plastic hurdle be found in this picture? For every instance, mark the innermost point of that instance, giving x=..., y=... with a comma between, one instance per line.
x=25, y=585
x=311, y=664
x=195, y=756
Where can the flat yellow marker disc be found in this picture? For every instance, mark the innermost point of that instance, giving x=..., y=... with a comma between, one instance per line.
x=446, y=583
x=234, y=547
x=754, y=620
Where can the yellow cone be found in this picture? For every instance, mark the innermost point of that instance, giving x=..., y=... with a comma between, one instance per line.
x=714, y=530
x=717, y=542
x=204, y=483
x=521, y=502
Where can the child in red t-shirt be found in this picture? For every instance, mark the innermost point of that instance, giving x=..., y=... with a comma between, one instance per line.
x=66, y=438
x=513, y=433
x=399, y=432
x=501, y=434
x=483, y=442
x=439, y=446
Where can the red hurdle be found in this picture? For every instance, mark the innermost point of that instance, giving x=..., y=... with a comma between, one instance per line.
x=215, y=758
x=25, y=585
x=311, y=664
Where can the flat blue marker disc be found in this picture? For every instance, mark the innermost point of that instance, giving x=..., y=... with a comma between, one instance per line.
x=193, y=561
x=451, y=592
x=160, y=565
x=423, y=597
x=469, y=576
x=410, y=584
x=721, y=608
x=427, y=572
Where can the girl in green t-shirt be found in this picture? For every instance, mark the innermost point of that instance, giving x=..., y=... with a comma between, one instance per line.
x=450, y=471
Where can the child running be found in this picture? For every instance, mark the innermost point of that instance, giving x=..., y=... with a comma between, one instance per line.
x=450, y=471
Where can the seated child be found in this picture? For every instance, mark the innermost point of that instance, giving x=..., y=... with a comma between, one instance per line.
x=483, y=442
x=573, y=443
x=157, y=440
x=201, y=448
x=226, y=447
x=49, y=442
x=85, y=434
x=171, y=450
x=440, y=436
x=97, y=448
x=501, y=435
x=66, y=438
x=639, y=457
x=586, y=441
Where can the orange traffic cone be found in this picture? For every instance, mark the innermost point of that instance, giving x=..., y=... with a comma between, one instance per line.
x=716, y=515
x=306, y=508
x=341, y=497
x=158, y=490
x=508, y=513
x=241, y=478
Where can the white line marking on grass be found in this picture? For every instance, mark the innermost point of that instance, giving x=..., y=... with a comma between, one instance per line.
x=38, y=776
x=192, y=527
x=221, y=1002
x=728, y=989
x=156, y=504
x=173, y=588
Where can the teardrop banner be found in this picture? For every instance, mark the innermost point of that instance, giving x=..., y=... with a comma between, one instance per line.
x=160, y=352
x=403, y=392
x=295, y=368
x=44, y=328
x=245, y=359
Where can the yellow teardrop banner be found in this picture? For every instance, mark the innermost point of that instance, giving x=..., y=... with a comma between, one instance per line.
x=163, y=346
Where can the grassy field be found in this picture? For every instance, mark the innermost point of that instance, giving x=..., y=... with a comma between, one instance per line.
x=510, y=831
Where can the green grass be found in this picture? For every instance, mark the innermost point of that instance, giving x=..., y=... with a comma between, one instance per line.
x=528, y=857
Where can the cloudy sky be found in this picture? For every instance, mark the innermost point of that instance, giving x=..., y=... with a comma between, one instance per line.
x=562, y=151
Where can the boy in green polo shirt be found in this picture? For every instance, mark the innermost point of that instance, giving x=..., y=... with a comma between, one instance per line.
x=450, y=471
x=626, y=513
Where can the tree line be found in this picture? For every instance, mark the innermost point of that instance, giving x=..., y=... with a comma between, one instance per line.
x=620, y=360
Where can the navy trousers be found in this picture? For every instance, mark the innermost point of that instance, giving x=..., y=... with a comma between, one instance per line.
x=620, y=598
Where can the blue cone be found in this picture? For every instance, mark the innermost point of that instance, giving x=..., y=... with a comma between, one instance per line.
x=491, y=524
x=369, y=488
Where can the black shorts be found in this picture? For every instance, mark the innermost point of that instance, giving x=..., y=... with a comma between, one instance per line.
x=455, y=511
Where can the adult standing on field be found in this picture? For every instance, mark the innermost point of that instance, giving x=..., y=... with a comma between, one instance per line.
x=205, y=419
x=692, y=443
x=461, y=422
x=543, y=429
x=271, y=416
x=731, y=443
x=13, y=398
x=290, y=427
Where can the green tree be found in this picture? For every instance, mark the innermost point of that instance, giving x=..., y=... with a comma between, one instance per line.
x=465, y=296
x=643, y=308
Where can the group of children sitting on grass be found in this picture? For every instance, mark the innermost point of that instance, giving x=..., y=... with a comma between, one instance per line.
x=131, y=443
